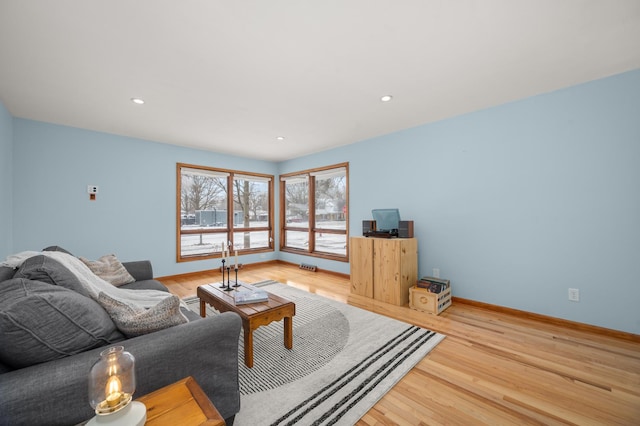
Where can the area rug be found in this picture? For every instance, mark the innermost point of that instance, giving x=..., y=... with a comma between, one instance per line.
x=344, y=359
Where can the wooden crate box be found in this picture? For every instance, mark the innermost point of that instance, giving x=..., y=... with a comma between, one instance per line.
x=422, y=300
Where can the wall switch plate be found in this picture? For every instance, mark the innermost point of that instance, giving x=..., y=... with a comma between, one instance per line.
x=92, y=189
x=574, y=294
x=436, y=272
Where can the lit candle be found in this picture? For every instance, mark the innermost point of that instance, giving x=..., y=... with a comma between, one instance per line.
x=113, y=391
x=236, y=259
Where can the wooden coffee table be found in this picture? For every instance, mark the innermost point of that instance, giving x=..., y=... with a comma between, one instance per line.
x=253, y=315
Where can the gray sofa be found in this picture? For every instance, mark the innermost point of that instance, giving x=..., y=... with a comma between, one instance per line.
x=55, y=391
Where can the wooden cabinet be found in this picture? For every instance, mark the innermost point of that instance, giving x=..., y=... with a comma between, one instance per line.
x=383, y=268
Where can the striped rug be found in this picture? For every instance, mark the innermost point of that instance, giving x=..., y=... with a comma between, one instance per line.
x=344, y=359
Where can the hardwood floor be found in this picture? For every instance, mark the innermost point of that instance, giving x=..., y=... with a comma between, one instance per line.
x=492, y=368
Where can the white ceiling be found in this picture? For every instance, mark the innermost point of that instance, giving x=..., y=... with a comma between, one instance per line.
x=230, y=76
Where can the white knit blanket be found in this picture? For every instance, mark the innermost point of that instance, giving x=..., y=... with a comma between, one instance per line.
x=91, y=282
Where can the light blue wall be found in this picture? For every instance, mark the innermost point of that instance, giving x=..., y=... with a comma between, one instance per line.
x=6, y=182
x=514, y=204
x=135, y=212
x=518, y=203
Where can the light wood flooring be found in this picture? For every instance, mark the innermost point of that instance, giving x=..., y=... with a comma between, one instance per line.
x=493, y=368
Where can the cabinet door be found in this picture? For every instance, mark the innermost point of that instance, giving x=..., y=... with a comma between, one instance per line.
x=408, y=269
x=361, y=264
x=386, y=271
x=395, y=269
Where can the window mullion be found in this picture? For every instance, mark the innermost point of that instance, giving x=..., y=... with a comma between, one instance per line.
x=230, y=212
x=312, y=214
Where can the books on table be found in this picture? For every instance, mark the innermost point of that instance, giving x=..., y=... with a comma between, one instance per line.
x=246, y=294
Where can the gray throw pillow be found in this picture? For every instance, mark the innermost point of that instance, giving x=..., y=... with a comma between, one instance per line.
x=48, y=270
x=40, y=322
x=135, y=320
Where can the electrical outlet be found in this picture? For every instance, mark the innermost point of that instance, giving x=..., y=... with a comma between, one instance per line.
x=436, y=272
x=574, y=294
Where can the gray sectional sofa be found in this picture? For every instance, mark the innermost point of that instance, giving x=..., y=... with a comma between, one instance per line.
x=51, y=335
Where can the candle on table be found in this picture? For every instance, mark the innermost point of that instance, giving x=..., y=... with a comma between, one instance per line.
x=236, y=267
x=112, y=389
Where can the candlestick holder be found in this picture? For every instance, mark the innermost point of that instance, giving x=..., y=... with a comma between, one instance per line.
x=236, y=269
x=222, y=286
x=228, y=287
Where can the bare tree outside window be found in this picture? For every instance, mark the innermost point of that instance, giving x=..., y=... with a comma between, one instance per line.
x=202, y=193
x=251, y=205
x=210, y=216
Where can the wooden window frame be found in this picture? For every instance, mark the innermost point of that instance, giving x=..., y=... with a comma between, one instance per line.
x=230, y=228
x=313, y=229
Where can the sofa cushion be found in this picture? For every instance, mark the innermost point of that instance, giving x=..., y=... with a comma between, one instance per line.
x=135, y=320
x=45, y=269
x=41, y=322
x=191, y=316
x=6, y=273
x=109, y=268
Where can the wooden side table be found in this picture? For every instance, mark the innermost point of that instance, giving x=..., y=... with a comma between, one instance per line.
x=181, y=403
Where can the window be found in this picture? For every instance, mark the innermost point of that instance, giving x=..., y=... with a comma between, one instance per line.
x=209, y=215
x=324, y=192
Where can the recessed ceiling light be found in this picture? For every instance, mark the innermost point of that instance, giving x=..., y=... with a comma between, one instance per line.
x=137, y=101
x=280, y=138
x=386, y=98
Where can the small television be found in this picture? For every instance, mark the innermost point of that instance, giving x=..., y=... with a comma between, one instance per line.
x=387, y=220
